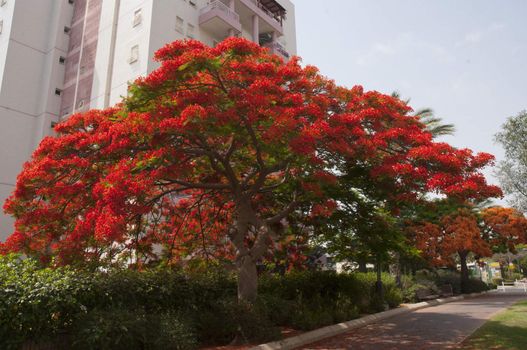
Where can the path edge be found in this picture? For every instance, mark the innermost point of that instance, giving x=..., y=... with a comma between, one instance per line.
x=339, y=328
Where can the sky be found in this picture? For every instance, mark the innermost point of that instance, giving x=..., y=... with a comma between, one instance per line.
x=465, y=59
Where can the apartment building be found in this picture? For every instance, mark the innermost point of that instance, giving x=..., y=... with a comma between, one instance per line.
x=62, y=56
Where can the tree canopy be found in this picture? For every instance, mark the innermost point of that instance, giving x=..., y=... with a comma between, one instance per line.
x=215, y=153
x=512, y=171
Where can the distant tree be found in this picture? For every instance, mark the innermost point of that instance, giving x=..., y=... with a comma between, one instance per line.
x=512, y=172
x=449, y=230
x=504, y=228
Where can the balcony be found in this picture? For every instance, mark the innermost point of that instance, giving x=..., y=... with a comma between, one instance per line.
x=269, y=11
x=220, y=19
x=277, y=49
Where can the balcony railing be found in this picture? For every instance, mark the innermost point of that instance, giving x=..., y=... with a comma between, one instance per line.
x=267, y=12
x=217, y=4
x=278, y=49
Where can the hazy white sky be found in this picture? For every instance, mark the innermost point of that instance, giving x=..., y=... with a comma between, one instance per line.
x=466, y=59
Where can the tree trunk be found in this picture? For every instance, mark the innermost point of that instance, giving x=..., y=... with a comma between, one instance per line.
x=247, y=280
x=464, y=271
x=502, y=270
x=378, y=285
x=395, y=269
x=362, y=265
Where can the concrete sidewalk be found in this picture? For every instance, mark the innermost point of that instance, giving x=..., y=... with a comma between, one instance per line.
x=437, y=327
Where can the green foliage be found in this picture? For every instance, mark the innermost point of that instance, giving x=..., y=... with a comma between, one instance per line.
x=410, y=287
x=513, y=170
x=35, y=304
x=449, y=277
x=476, y=286
x=497, y=281
x=166, y=309
x=431, y=282
x=513, y=276
x=38, y=305
x=311, y=299
x=132, y=329
x=226, y=318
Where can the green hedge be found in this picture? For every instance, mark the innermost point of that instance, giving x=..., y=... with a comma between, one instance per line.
x=165, y=309
x=431, y=281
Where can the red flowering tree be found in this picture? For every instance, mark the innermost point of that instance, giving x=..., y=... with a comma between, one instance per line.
x=456, y=234
x=462, y=231
x=505, y=228
x=211, y=153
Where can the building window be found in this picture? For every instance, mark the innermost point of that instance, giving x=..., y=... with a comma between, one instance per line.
x=62, y=60
x=179, y=25
x=137, y=17
x=134, y=54
x=58, y=92
x=71, y=2
x=190, y=30
x=67, y=29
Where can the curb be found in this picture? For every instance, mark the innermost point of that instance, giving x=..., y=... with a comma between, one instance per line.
x=336, y=329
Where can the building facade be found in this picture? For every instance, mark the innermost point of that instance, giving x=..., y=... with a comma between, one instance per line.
x=58, y=57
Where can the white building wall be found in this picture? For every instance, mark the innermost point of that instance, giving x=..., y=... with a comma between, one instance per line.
x=157, y=28
x=32, y=39
x=102, y=56
x=289, y=37
x=6, y=16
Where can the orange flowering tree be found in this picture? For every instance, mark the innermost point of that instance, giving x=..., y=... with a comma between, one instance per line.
x=505, y=228
x=211, y=153
x=461, y=230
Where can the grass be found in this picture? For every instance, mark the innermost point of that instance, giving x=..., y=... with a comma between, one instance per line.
x=506, y=330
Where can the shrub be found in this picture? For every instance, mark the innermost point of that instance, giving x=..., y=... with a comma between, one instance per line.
x=312, y=299
x=393, y=295
x=278, y=310
x=37, y=304
x=497, y=281
x=476, y=286
x=411, y=286
x=227, y=319
x=449, y=277
x=513, y=276
x=131, y=329
x=130, y=309
x=307, y=317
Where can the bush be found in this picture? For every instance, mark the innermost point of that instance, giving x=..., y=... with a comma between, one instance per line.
x=37, y=304
x=449, y=277
x=497, y=281
x=227, y=319
x=410, y=287
x=476, y=286
x=513, y=276
x=132, y=309
x=131, y=329
x=312, y=299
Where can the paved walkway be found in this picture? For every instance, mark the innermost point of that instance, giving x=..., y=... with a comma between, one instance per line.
x=437, y=327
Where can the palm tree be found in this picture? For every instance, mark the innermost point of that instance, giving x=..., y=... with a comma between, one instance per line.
x=434, y=124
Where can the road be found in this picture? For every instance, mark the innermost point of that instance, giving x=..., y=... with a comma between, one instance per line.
x=438, y=327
